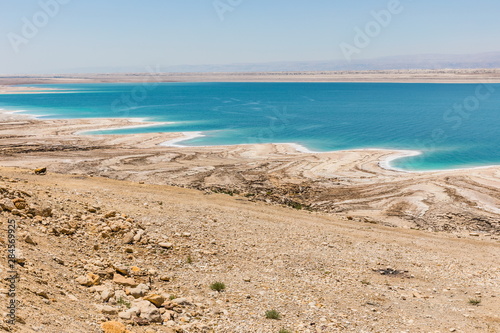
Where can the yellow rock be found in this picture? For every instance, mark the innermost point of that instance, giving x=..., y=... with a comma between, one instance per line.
x=128, y=282
x=156, y=299
x=135, y=269
x=114, y=327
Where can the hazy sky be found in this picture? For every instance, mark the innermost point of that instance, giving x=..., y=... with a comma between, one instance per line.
x=78, y=34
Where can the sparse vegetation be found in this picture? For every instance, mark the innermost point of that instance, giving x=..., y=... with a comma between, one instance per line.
x=171, y=297
x=189, y=259
x=474, y=301
x=284, y=330
x=122, y=301
x=218, y=286
x=273, y=314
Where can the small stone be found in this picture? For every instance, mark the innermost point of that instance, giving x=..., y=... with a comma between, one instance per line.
x=181, y=301
x=165, y=278
x=42, y=294
x=129, y=250
x=114, y=327
x=89, y=280
x=247, y=279
x=138, y=291
x=29, y=240
x=40, y=171
x=156, y=299
x=128, y=238
x=121, y=280
x=129, y=314
x=110, y=214
x=19, y=203
x=166, y=245
x=109, y=310
x=124, y=270
x=107, y=294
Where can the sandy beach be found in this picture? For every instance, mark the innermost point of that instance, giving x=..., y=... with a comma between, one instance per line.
x=309, y=233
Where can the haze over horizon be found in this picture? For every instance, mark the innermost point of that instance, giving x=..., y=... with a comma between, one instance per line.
x=65, y=36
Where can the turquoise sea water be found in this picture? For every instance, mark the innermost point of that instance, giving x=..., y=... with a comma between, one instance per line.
x=454, y=125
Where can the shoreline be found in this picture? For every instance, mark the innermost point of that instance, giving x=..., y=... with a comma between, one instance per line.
x=351, y=181
x=479, y=75
x=384, y=164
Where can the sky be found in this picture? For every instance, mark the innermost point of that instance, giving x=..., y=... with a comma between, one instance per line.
x=60, y=36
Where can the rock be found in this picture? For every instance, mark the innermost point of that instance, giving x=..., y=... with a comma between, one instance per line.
x=59, y=261
x=20, y=203
x=20, y=258
x=165, y=278
x=181, y=301
x=110, y=214
x=40, y=171
x=7, y=205
x=114, y=327
x=166, y=245
x=97, y=289
x=138, y=235
x=109, y=310
x=156, y=299
x=45, y=212
x=123, y=270
x=107, y=294
x=89, y=280
x=129, y=314
x=128, y=238
x=148, y=311
x=138, y=291
x=168, y=315
x=42, y=294
x=29, y=240
x=123, y=281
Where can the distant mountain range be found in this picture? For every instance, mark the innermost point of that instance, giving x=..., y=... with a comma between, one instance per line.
x=425, y=61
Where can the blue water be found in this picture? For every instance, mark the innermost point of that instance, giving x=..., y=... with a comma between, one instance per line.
x=454, y=125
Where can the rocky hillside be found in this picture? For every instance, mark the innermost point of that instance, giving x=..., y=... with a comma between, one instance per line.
x=100, y=255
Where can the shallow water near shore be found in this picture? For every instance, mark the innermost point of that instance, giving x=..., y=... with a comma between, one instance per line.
x=453, y=125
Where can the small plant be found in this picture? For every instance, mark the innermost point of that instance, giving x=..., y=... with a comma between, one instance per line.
x=171, y=297
x=273, y=314
x=284, y=330
x=218, y=286
x=122, y=301
x=365, y=282
x=474, y=301
x=189, y=260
